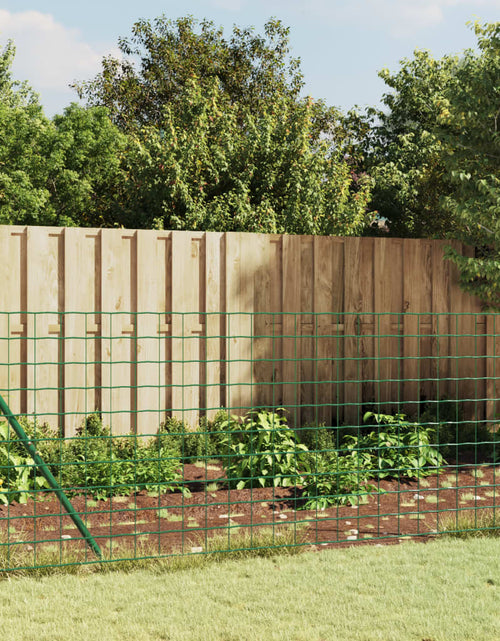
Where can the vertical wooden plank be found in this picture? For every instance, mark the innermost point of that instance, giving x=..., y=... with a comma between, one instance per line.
x=353, y=292
x=118, y=295
x=214, y=321
x=469, y=368
x=413, y=274
x=366, y=325
x=323, y=305
x=81, y=326
x=291, y=275
x=493, y=369
x=12, y=319
x=427, y=377
x=240, y=267
x=45, y=296
x=337, y=329
x=267, y=321
x=153, y=328
x=261, y=319
x=186, y=326
x=307, y=328
x=388, y=297
x=441, y=371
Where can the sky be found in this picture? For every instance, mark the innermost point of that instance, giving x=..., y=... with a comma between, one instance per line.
x=342, y=44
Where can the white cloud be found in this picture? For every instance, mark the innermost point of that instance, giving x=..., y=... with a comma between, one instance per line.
x=399, y=17
x=48, y=55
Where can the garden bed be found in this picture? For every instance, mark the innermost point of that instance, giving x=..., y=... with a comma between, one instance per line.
x=172, y=523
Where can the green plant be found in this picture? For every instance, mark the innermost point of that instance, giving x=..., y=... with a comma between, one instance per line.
x=191, y=445
x=342, y=476
x=336, y=480
x=458, y=438
x=470, y=524
x=400, y=448
x=96, y=462
x=260, y=449
x=18, y=477
x=319, y=438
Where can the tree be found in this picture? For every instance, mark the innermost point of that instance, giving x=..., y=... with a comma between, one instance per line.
x=87, y=174
x=217, y=166
x=469, y=126
x=434, y=155
x=25, y=134
x=222, y=139
x=403, y=152
x=162, y=58
x=67, y=171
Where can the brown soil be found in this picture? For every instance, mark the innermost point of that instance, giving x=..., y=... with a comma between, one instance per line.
x=171, y=523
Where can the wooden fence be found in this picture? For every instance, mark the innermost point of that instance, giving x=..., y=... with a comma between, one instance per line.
x=321, y=325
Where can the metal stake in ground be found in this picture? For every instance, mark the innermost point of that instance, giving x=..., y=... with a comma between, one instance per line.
x=39, y=462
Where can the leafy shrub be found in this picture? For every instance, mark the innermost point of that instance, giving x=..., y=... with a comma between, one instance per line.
x=401, y=448
x=47, y=441
x=105, y=466
x=336, y=480
x=18, y=475
x=458, y=438
x=320, y=439
x=260, y=449
x=192, y=445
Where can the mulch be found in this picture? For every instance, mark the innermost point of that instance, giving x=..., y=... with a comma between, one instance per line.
x=174, y=524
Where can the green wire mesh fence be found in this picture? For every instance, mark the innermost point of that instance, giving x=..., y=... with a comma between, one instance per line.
x=193, y=433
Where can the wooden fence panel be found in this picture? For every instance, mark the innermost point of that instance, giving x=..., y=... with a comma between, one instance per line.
x=307, y=369
x=267, y=322
x=292, y=325
x=215, y=323
x=388, y=272
x=417, y=347
x=492, y=387
x=441, y=322
x=141, y=325
x=188, y=325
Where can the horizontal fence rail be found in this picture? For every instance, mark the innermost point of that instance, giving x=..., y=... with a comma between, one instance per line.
x=189, y=433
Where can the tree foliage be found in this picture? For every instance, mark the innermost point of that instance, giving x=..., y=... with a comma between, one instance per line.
x=25, y=136
x=221, y=139
x=434, y=155
x=65, y=171
x=216, y=166
x=163, y=57
x=404, y=152
x=469, y=126
x=190, y=129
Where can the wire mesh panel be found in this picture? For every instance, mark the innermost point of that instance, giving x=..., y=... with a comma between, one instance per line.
x=192, y=433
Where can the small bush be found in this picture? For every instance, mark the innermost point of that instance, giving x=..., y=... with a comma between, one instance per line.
x=192, y=445
x=320, y=439
x=102, y=465
x=336, y=480
x=459, y=439
x=261, y=450
x=18, y=473
x=399, y=448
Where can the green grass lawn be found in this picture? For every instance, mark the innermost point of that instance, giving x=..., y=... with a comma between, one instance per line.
x=447, y=590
